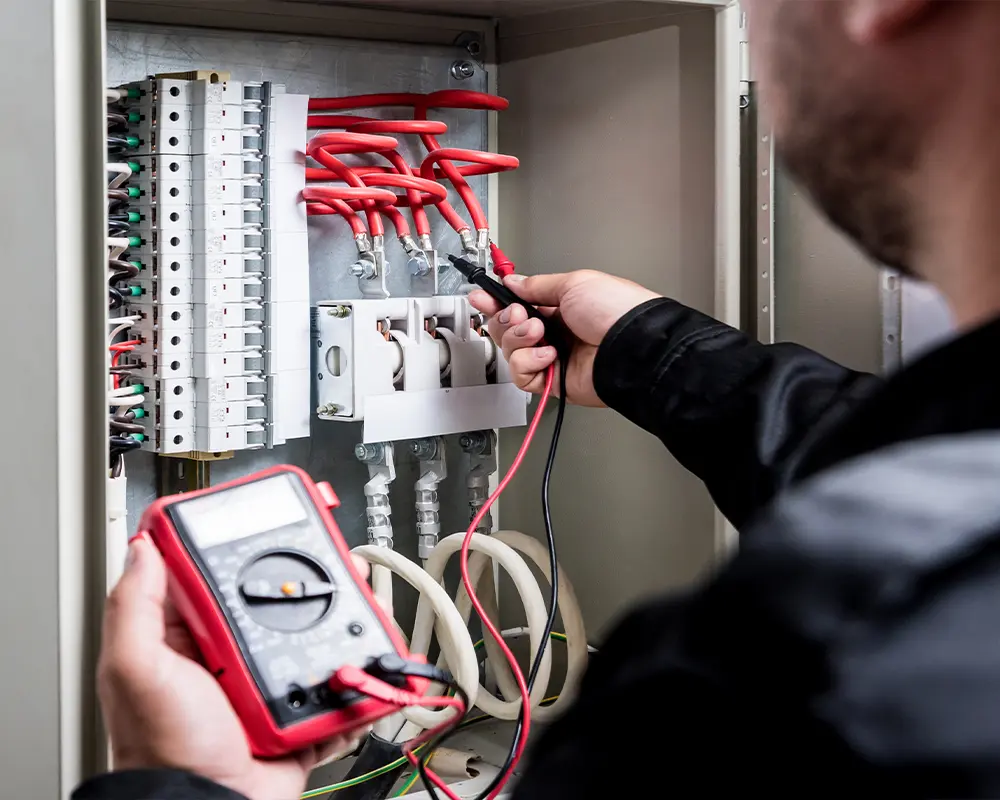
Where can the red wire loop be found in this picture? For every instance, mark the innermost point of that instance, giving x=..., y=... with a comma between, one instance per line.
x=438, y=166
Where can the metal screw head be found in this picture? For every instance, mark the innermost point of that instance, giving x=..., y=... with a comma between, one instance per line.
x=473, y=442
x=462, y=70
x=355, y=629
x=369, y=453
x=357, y=269
x=340, y=312
x=424, y=449
x=418, y=265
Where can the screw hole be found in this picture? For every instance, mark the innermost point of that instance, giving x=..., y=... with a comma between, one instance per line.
x=175, y=315
x=178, y=390
x=174, y=192
x=174, y=141
x=178, y=439
x=178, y=414
x=174, y=116
x=175, y=290
x=174, y=216
x=174, y=166
x=175, y=365
x=175, y=340
x=174, y=91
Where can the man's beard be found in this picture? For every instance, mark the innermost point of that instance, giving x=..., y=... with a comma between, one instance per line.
x=845, y=145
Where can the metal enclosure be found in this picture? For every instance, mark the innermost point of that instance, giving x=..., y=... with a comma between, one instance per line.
x=626, y=118
x=629, y=189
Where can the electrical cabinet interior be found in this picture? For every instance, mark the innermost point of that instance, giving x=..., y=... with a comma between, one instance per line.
x=624, y=119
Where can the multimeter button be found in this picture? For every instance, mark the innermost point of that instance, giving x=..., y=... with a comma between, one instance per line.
x=329, y=496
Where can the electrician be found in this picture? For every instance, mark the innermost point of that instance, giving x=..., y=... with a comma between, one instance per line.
x=852, y=647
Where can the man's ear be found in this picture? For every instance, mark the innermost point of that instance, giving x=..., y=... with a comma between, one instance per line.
x=873, y=21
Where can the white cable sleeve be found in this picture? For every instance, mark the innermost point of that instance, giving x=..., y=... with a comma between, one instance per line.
x=113, y=95
x=573, y=628
x=452, y=633
x=123, y=404
x=486, y=548
x=123, y=173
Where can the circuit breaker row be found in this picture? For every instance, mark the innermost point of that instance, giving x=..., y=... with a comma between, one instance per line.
x=220, y=371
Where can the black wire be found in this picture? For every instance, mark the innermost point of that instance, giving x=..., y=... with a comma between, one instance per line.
x=120, y=265
x=118, y=465
x=115, y=298
x=116, y=227
x=553, y=602
x=438, y=740
x=117, y=120
x=119, y=217
x=120, y=444
x=126, y=427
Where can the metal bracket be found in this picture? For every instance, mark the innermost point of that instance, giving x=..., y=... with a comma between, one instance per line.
x=482, y=449
x=185, y=472
x=381, y=462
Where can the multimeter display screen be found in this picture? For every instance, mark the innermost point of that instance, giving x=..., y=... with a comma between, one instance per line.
x=259, y=507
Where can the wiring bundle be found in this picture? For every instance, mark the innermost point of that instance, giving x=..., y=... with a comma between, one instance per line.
x=125, y=397
x=367, y=189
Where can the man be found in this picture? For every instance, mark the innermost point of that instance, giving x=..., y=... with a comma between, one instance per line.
x=852, y=647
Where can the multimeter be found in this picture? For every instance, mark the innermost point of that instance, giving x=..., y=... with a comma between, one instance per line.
x=262, y=576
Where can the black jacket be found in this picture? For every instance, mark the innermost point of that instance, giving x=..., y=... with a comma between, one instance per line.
x=852, y=646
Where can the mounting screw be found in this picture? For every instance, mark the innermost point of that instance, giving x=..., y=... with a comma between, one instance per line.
x=328, y=410
x=418, y=265
x=462, y=70
x=369, y=453
x=340, y=312
x=361, y=269
x=424, y=449
x=355, y=629
x=473, y=443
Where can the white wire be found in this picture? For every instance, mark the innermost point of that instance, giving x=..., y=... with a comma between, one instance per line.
x=124, y=173
x=124, y=324
x=123, y=391
x=125, y=403
x=573, y=628
x=118, y=245
x=452, y=633
x=113, y=95
x=486, y=550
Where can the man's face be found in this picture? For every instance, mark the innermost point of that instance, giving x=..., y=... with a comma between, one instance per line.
x=837, y=128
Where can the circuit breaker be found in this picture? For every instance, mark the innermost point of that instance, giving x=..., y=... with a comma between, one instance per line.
x=223, y=300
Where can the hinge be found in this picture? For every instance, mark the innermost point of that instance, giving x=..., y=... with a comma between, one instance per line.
x=745, y=72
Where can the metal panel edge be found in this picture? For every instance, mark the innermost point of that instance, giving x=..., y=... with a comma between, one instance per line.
x=730, y=34
x=81, y=365
x=307, y=19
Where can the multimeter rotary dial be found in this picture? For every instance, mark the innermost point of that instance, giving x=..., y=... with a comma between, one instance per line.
x=286, y=590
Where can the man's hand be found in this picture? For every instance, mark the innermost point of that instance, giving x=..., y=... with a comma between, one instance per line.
x=161, y=706
x=588, y=303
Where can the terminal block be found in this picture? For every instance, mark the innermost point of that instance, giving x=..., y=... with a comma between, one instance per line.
x=411, y=368
x=221, y=235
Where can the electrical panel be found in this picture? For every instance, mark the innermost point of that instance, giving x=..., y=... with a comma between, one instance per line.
x=219, y=232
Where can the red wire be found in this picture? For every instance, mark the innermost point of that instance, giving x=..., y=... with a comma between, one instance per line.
x=324, y=149
x=448, y=98
x=488, y=625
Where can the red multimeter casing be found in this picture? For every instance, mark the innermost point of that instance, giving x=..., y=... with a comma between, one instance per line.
x=262, y=576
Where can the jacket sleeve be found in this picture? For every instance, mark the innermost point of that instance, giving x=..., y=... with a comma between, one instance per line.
x=153, y=784
x=734, y=412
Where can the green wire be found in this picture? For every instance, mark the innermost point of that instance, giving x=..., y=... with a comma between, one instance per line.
x=400, y=762
x=408, y=785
